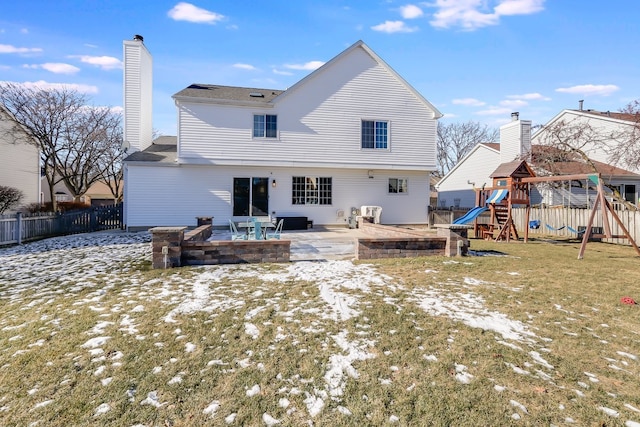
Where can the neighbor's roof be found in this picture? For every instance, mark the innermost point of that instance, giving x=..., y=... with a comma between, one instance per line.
x=558, y=162
x=163, y=149
x=492, y=145
x=612, y=114
x=228, y=93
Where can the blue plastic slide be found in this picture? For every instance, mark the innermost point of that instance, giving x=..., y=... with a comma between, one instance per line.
x=471, y=215
x=496, y=197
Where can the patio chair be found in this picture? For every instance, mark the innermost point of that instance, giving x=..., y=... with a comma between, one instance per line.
x=276, y=233
x=235, y=234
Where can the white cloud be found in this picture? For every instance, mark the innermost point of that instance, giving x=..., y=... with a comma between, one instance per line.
x=93, y=46
x=7, y=48
x=472, y=102
x=513, y=103
x=187, y=12
x=411, y=11
x=43, y=85
x=104, y=62
x=519, y=7
x=603, y=90
x=494, y=111
x=24, y=30
x=117, y=109
x=282, y=73
x=530, y=96
x=55, y=67
x=463, y=13
x=244, y=66
x=308, y=66
x=394, y=27
x=473, y=14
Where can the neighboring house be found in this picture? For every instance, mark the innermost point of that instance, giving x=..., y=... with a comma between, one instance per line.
x=351, y=133
x=595, y=127
x=19, y=159
x=99, y=194
x=457, y=187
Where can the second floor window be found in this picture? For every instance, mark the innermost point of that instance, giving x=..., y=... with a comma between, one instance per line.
x=265, y=126
x=375, y=134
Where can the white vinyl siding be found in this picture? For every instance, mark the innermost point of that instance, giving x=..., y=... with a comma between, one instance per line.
x=319, y=123
x=19, y=162
x=473, y=170
x=515, y=140
x=138, y=95
x=207, y=191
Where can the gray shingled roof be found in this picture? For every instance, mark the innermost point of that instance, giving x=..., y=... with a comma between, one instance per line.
x=229, y=93
x=164, y=149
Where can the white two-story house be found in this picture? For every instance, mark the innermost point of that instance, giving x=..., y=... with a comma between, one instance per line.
x=349, y=134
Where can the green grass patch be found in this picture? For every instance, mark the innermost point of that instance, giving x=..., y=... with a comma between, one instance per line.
x=406, y=341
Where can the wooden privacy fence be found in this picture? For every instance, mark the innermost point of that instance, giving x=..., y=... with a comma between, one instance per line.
x=19, y=228
x=554, y=221
x=565, y=222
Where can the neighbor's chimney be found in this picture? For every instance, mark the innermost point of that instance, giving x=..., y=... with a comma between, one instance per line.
x=581, y=104
x=515, y=116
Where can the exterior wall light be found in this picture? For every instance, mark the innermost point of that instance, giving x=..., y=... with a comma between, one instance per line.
x=273, y=183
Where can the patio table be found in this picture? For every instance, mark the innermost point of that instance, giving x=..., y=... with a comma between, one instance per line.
x=249, y=225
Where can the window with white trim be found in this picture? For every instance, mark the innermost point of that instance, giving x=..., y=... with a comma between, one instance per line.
x=265, y=126
x=375, y=134
x=309, y=190
x=398, y=186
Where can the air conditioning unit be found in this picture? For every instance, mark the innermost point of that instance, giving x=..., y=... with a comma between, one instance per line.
x=372, y=211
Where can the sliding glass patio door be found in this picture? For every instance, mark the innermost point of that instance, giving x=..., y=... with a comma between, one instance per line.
x=250, y=196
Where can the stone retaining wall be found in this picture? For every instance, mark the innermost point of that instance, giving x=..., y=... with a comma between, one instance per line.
x=235, y=252
x=396, y=242
x=173, y=247
x=399, y=247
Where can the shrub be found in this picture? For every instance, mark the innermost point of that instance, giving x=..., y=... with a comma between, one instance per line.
x=62, y=207
x=9, y=197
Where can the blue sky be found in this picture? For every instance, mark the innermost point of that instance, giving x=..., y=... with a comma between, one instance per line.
x=474, y=60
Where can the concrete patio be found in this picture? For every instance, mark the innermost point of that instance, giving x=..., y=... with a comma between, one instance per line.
x=314, y=244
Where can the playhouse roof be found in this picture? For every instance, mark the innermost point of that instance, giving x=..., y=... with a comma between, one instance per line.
x=515, y=169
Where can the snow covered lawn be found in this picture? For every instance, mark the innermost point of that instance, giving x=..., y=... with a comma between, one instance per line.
x=89, y=335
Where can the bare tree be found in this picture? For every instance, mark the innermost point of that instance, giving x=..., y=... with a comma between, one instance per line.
x=9, y=197
x=455, y=140
x=111, y=165
x=70, y=135
x=627, y=148
x=579, y=140
x=89, y=137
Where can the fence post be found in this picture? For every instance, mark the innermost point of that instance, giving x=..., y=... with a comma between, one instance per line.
x=19, y=227
x=93, y=220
